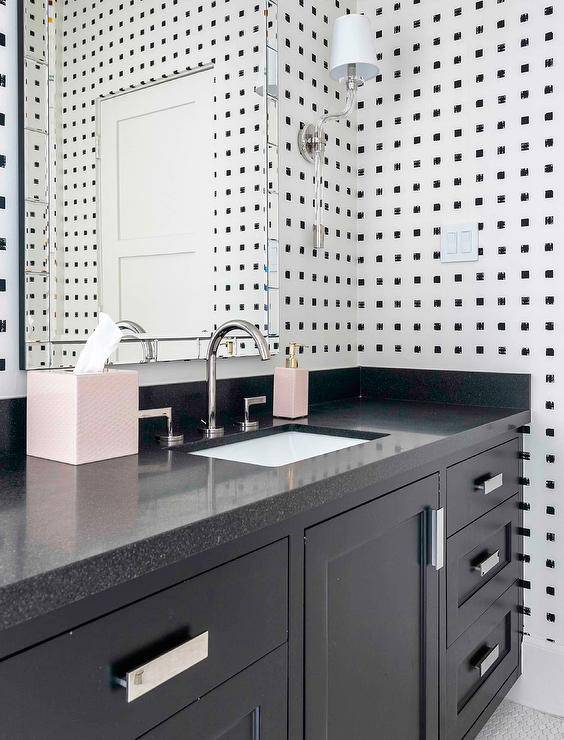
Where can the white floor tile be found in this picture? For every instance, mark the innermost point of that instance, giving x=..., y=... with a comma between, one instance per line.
x=515, y=722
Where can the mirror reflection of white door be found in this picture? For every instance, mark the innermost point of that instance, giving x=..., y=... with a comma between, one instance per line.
x=155, y=209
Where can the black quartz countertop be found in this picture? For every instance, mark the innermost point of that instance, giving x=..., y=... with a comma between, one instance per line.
x=70, y=532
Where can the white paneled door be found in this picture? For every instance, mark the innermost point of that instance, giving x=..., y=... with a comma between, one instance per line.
x=155, y=206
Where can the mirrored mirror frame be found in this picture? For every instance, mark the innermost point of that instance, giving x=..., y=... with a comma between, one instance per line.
x=39, y=346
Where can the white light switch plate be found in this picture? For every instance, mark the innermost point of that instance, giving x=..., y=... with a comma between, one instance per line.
x=459, y=243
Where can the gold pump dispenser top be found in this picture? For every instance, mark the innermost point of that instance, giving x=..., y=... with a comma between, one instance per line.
x=292, y=359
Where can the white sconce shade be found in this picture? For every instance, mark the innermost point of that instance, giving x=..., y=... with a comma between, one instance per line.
x=353, y=43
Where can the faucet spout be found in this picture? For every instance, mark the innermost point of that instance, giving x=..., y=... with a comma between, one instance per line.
x=149, y=346
x=211, y=429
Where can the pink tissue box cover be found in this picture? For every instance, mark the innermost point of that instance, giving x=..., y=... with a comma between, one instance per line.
x=79, y=419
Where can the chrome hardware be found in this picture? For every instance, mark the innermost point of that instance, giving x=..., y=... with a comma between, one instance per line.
x=487, y=564
x=209, y=428
x=485, y=663
x=247, y=425
x=160, y=670
x=210, y=433
x=310, y=141
x=437, y=538
x=138, y=338
x=489, y=484
x=169, y=439
x=150, y=346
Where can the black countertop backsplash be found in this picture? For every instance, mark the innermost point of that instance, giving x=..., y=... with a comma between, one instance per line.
x=188, y=400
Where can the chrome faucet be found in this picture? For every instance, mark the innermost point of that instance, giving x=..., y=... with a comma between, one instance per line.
x=210, y=429
x=149, y=345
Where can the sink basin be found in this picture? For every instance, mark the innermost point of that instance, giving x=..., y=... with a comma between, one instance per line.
x=282, y=448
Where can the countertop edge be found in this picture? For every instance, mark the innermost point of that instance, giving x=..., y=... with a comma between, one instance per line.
x=132, y=561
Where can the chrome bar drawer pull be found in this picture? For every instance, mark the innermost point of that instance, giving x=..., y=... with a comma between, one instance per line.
x=490, y=484
x=487, y=564
x=485, y=663
x=437, y=538
x=146, y=677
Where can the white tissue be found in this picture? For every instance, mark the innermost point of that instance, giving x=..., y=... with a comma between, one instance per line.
x=100, y=345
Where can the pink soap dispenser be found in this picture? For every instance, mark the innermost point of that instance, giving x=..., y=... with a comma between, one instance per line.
x=291, y=387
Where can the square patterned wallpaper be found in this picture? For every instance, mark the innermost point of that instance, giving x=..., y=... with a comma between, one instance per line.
x=317, y=291
x=464, y=126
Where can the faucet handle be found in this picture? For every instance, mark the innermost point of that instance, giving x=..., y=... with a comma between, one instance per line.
x=170, y=439
x=247, y=425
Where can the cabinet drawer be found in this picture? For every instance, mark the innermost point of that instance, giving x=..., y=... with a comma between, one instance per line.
x=482, y=563
x=66, y=687
x=480, y=662
x=250, y=706
x=479, y=484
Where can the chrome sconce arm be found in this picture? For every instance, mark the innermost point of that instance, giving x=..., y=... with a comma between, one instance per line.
x=311, y=142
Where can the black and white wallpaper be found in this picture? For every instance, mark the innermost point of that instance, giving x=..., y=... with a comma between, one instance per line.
x=465, y=126
x=12, y=381
x=317, y=291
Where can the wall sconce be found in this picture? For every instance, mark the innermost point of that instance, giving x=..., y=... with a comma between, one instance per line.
x=353, y=61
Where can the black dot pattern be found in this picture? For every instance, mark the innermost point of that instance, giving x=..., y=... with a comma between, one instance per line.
x=101, y=47
x=318, y=301
x=464, y=126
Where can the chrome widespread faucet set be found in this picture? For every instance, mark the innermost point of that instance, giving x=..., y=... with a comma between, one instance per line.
x=209, y=428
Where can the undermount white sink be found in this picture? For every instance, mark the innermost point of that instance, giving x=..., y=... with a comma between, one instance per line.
x=284, y=448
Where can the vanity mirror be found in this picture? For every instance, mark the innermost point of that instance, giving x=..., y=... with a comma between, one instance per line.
x=149, y=136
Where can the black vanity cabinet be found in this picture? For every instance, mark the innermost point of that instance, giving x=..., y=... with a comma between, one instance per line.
x=394, y=611
x=372, y=621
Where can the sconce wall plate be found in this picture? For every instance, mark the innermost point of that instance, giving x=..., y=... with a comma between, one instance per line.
x=309, y=142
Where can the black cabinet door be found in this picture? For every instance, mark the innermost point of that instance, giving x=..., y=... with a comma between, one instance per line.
x=242, y=605
x=251, y=706
x=371, y=621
